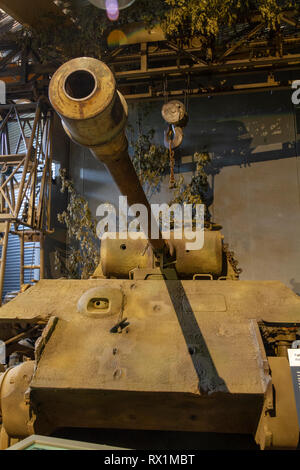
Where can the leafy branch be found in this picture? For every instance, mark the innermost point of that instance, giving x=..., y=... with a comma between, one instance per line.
x=82, y=256
x=194, y=192
x=151, y=161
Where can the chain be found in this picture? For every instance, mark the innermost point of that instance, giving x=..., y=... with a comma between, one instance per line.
x=231, y=260
x=187, y=92
x=172, y=165
x=165, y=88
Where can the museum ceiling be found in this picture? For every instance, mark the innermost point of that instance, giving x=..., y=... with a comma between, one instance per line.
x=148, y=58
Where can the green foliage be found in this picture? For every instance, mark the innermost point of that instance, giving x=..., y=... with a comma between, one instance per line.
x=194, y=192
x=82, y=256
x=271, y=10
x=207, y=17
x=151, y=161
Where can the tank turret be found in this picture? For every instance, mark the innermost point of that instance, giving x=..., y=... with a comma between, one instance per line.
x=94, y=114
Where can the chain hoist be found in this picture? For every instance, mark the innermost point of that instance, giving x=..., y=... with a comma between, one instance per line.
x=232, y=261
x=172, y=165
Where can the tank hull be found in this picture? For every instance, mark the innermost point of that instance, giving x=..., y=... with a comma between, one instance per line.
x=187, y=357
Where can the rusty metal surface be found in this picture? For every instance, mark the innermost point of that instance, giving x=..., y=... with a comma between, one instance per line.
x=269, y=301
x=88, y=119
x=119, y=257
x=14, y=403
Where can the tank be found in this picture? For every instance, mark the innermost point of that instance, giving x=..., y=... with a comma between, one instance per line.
x=160, y=338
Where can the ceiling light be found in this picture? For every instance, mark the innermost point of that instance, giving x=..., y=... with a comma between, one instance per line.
x=112, y=7
x=102, y=3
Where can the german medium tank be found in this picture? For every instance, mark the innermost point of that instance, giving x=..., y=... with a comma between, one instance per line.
x=159, y=338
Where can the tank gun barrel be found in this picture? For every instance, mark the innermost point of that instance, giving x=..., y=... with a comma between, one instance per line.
x=94, y=114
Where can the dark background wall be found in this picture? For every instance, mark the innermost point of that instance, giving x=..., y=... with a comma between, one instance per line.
x=57, y=240
x=254, y=176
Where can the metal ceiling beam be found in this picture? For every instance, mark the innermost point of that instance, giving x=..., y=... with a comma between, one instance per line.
x=240, y=42
x=28, y=12
x=148, y=82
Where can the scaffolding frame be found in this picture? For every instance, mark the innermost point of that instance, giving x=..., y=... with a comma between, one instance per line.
x=25, y=179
